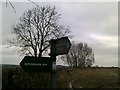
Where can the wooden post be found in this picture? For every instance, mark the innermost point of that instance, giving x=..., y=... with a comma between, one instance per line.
x=53, y=58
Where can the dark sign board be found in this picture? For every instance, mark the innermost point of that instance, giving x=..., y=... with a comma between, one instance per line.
x=60, y=46
x=36, y=64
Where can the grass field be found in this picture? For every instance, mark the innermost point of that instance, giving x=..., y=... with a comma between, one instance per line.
x=89, y=78
x=83, y=78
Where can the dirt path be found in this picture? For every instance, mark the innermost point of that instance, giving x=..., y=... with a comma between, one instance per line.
x=70, y=84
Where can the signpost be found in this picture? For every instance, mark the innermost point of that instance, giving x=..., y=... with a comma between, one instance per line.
x=36, y=64
x=47, y=64
x=60, y=46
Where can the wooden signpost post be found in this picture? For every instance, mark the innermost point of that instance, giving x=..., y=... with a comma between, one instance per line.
x=47, y=64
x=58, y=47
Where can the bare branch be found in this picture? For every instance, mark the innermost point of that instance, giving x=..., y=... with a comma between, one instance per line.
x=12, y=6
x=33, y=3
x=6, y=3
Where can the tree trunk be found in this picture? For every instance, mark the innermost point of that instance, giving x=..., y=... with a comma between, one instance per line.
x=40, y=54
x=35, y=51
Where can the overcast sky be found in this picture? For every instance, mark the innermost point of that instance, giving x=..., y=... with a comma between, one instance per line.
x=94, y=23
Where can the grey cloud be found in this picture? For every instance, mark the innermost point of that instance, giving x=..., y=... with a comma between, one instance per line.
x=89, y=17
x=84, y=19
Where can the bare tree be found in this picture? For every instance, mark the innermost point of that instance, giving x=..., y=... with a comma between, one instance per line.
x=35, y=28
x=80, y=55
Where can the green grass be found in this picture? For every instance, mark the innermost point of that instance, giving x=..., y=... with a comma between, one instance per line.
x=85, y=77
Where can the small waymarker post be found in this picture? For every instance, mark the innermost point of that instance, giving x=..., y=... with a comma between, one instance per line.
x=36, y=64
